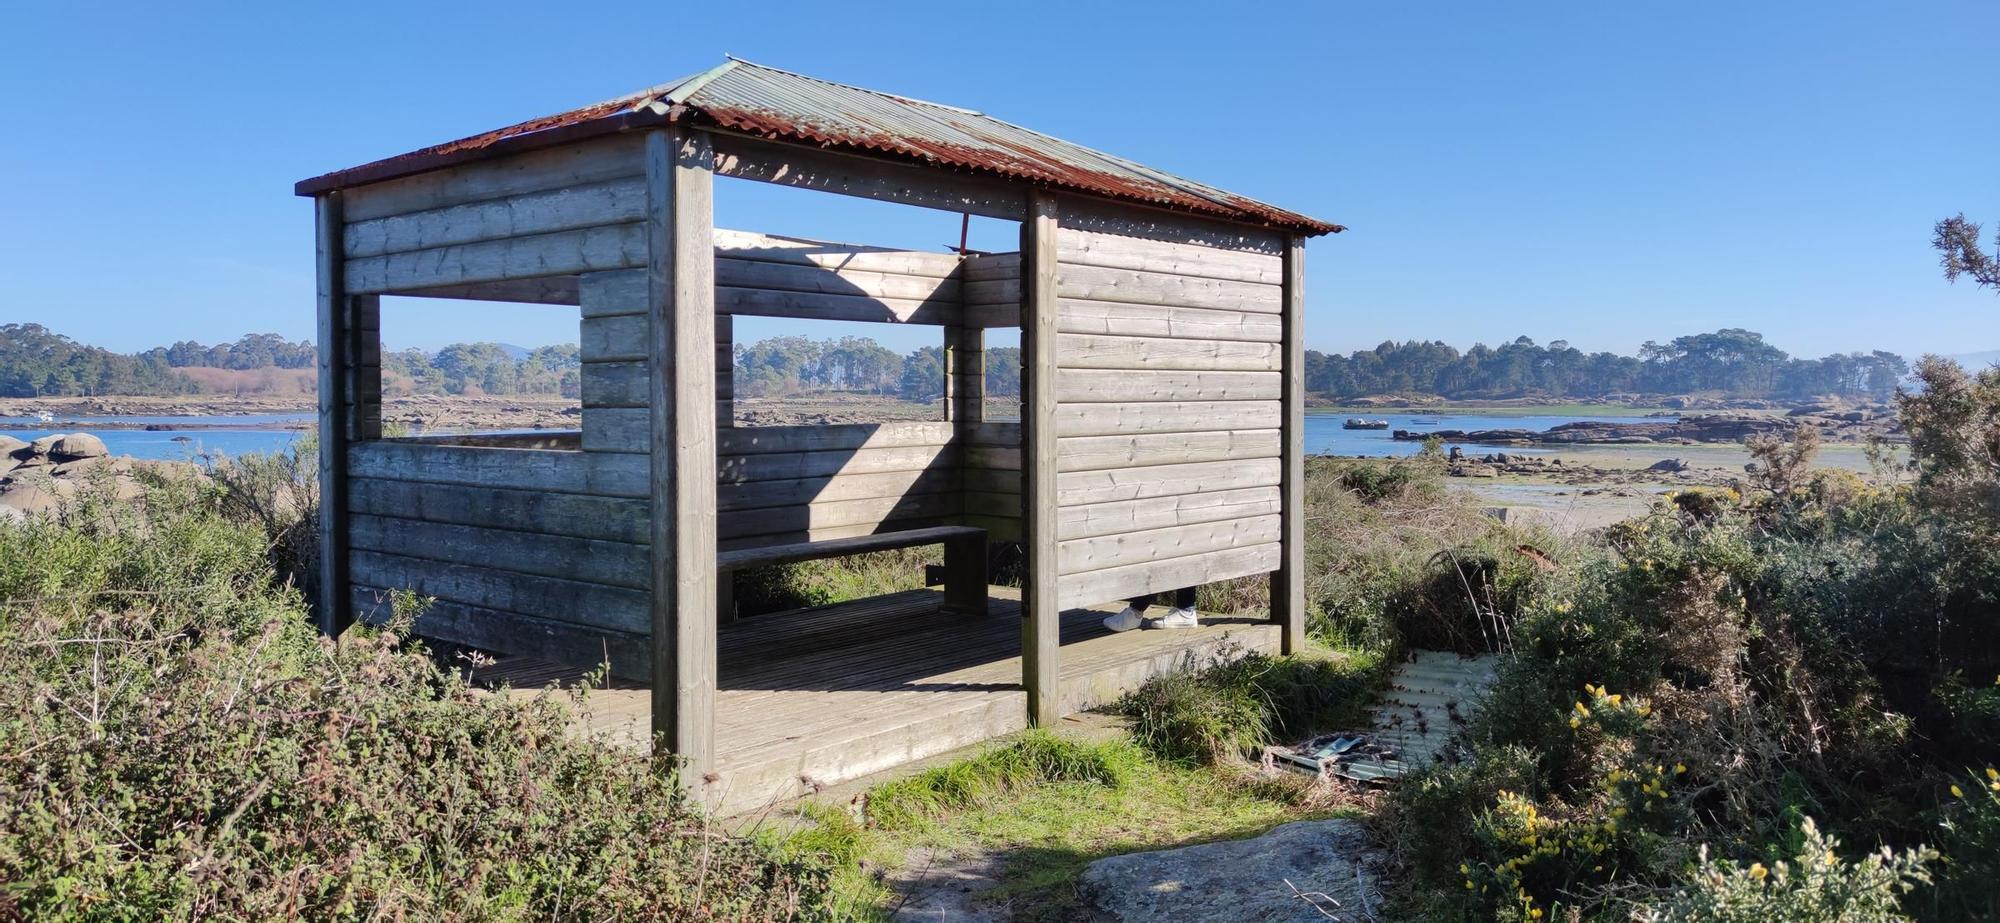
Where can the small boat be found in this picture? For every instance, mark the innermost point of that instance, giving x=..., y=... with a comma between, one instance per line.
x=1423, y=422
x=45, y=417
x=1363, y=423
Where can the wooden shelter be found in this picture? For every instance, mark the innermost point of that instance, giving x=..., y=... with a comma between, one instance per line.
x=1159, y=443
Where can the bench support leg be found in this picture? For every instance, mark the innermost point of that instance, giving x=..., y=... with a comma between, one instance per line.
x=965, y=576
x=725, y=595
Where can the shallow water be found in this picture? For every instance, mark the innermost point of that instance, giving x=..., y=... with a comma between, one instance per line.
x=1323, y=435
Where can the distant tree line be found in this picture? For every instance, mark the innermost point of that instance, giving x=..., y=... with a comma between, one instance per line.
x=489, y=368
x=35, y=361
x=779, y=366
x=1733, y=361
x=38, y=362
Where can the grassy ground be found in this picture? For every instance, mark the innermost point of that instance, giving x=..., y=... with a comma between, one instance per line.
x=1027, y=838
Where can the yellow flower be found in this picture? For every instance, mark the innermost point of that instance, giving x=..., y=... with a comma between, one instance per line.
x=1575, y=723
x=1581, y=711
x=1614, y=698
x=1758, y=871
x=1956, y=792
x=1993, y=774
x=1680, y=768
x=1535, y=912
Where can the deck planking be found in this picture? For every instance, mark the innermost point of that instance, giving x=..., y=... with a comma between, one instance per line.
x=813, y=697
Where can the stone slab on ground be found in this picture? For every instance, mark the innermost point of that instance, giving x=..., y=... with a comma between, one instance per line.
x=1312, y=870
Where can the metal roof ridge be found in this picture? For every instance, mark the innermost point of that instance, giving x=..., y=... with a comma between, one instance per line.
x=860, y=89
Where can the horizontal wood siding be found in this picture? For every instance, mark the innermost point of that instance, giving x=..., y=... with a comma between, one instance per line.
x=991, y=479
x=805, y=483
x=1168, y=384
x=529, y=551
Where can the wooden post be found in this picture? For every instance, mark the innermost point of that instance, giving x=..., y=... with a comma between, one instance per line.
x=364, y=367
x=725, y=372
x=1288, y=589
x=680, y=308
x=335, y=602
x=1041, y=632
x=965, y=575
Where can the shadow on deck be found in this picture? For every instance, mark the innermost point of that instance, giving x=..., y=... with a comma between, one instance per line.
x=812, y=697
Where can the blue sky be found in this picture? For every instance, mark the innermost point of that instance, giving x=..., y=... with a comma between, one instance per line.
x=1605, y=173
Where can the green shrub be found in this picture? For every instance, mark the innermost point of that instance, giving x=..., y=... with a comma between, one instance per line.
x=1815, y=886
x=1970, y=845
x=179, y=744
x=1236, y=709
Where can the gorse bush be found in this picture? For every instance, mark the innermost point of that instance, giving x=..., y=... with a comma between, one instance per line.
x=1816, y=885
x=177, y=743
x=1714, y=674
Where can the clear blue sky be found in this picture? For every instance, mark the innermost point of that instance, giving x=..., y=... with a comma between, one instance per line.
x=1602, y=172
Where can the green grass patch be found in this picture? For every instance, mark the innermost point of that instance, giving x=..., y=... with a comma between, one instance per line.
x=1045, y=805
x=1035, y=758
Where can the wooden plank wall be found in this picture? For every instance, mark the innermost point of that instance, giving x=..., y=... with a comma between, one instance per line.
x=1169, y=389
x=779, y=484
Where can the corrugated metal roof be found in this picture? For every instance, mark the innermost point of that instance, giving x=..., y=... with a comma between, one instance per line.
x=753, y=99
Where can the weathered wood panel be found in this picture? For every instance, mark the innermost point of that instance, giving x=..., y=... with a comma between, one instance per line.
x=1091, y=587
x=837, y=437
x=1115, y=251
x=1085, y=351
x=1288, y=583
x=628, y=654
x=798, y=491
x=735, y=469
x=823, y=254
x=536, y=553
x=831, y=171
x=833, y=532
x=1092, y=453
x=1041, y=355
x=1120, y=549
x=334, y=612
x=821, y=515
x=613, y=519
x=1074, y=522
x=589, y=162
x=1075, y=488
x=516, y=469
x=593, y=249
x=1114, y=319
x=573, y=601
x=1144, y=417
x=617, y=201
x=1114, y=385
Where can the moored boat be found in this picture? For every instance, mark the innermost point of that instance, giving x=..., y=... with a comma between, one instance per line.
x=1364, y=423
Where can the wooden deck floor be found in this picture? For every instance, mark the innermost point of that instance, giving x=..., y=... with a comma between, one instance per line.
x=819, y=696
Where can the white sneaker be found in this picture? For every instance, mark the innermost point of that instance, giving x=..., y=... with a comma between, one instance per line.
x=1123, y=621
x=1179, y=618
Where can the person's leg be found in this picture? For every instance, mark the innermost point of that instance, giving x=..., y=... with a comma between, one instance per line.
x=1183, y=614
x=1133, y=615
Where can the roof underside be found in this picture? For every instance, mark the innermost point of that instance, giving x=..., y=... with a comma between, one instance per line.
x=765, y=102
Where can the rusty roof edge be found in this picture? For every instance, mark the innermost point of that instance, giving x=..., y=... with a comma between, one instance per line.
x=449, y=154
x=1279, y=218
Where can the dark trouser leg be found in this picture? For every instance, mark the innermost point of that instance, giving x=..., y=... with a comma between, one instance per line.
x=1142, y=602
x=1184, y=597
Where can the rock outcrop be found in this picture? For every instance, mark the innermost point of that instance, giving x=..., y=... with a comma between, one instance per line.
x=1305, y=871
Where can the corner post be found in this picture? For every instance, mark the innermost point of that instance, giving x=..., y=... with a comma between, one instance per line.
x=680, y=310
x=1041, y=630
x=1288, y=589
x=335, y=601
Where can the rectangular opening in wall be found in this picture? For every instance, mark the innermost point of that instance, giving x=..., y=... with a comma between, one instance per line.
x=790, y=372
x=481, y=373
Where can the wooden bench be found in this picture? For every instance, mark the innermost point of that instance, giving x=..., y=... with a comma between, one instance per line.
x=964, y=562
